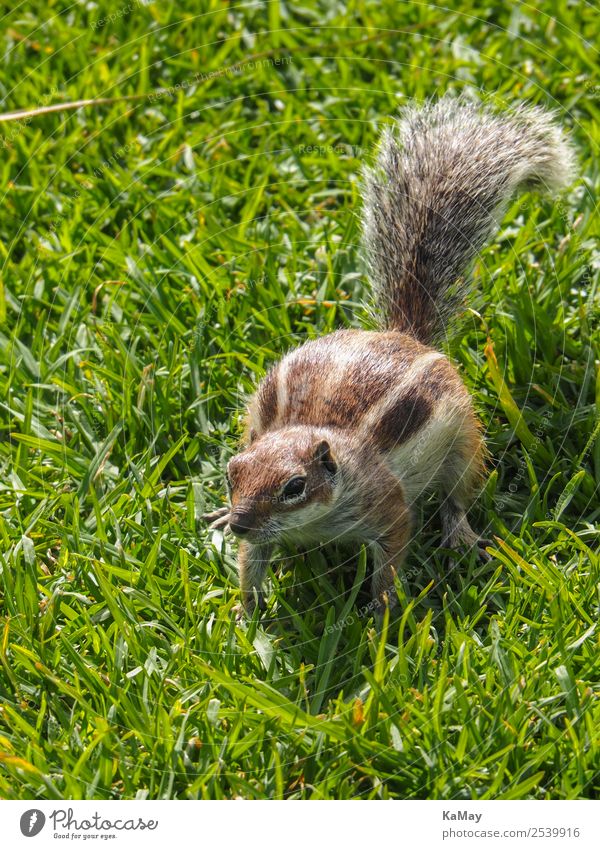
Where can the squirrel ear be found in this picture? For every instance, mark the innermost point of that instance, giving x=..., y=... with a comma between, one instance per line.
x=323, y=455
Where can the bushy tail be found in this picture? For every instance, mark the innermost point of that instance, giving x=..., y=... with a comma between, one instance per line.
x=440, y=185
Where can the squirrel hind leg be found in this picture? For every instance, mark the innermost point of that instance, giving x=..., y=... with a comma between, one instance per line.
x=457, y=533
x=461, y=479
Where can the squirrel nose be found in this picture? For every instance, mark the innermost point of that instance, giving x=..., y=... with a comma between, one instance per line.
x=240, y=523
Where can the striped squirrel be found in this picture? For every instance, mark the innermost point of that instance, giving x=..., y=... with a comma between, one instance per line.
x=347, y=431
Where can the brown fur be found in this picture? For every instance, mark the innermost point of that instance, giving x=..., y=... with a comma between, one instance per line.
x=363, y=365
x=408, y=415
x=364, y=395
x=267, y=399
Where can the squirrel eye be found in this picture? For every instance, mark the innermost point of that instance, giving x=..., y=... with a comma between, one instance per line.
x=294, y=487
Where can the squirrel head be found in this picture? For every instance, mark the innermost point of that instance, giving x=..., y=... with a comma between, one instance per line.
x=282, y=480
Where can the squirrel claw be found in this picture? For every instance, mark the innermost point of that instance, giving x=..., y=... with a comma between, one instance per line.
x=220, y=524
x=482, y=554
x=246, y=609
x=215, y=514
x=218, y=519
x=479, y=546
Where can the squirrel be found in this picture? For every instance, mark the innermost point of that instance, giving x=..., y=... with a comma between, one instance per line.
x=347, y=431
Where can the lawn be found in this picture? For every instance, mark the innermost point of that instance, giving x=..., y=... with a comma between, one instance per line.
x=158, y=254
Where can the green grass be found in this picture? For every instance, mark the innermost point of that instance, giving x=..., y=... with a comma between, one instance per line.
x=157, y=256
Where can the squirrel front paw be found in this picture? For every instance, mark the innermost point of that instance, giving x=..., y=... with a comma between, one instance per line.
x=249, y=603
x=218, y=519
